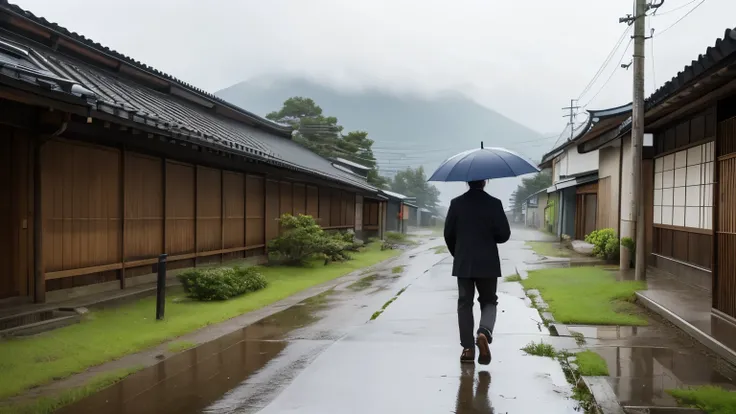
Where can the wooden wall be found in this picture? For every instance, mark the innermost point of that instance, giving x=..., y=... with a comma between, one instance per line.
x=16, y=220
x=724, y=296
x=108, y=213
x=688, y=245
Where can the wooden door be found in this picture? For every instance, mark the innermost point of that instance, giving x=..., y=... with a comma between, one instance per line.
x=8, y=285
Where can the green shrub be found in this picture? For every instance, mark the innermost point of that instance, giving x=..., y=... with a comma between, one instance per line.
x=629, y=243
x=396, y=237
x=372, y=240
x=335, y=248
x=600, y=240
x=351, y=242
x=612, y=249
x=301, y=239
x=221, y=283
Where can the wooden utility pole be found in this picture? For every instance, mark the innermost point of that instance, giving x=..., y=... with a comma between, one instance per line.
x=573, y=112
x=637, y=133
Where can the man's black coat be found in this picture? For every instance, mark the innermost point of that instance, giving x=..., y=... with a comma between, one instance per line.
x=476, y=224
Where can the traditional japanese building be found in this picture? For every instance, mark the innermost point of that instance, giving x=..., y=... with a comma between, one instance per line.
x=108, y=163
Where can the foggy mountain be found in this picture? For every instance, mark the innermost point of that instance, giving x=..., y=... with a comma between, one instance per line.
x=408, y=131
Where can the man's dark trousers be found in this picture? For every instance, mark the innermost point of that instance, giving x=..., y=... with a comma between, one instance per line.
x=488, y=300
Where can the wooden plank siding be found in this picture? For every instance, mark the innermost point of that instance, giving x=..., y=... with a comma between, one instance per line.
x=686, y=252
x=724, y=294
x=107, y=210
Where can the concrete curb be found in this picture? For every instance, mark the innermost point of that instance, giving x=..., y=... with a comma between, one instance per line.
x=603, y=394
x=714, y=345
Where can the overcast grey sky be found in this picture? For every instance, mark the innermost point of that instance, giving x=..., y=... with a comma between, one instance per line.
x=525, y=59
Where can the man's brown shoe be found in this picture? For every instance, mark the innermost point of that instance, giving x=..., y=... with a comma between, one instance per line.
x=468, y=356
x=484, y=349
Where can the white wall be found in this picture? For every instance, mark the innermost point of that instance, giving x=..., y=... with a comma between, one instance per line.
x=572, y=162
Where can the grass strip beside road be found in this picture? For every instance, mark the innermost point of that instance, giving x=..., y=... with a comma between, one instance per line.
x=591, y=364
x=587, y=295
x=710, y=399
x=109, y=334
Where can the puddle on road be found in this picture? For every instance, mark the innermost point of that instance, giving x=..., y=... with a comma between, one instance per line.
x=190, y=381
x=228, y=373
x=640, y=376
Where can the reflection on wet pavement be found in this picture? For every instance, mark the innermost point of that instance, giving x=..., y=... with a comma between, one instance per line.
x=472, y=400
x=244, y=370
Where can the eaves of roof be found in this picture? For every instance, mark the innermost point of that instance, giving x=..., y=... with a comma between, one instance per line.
x=721, y=52
x=62, y=32
x=715, y=58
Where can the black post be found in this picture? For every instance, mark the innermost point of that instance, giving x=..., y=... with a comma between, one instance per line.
x=161, y=287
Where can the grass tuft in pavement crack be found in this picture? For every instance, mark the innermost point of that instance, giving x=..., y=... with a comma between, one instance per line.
x=587, y=363
x=440, y=249
x=512, y=278
x=378, y=313
x=363, y=283
x=397, y=269
x=540, y=349
x=579, y=338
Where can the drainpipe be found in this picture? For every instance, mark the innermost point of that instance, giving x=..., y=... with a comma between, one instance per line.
x=39, y=285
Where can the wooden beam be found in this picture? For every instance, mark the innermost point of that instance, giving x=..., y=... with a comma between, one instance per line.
x=694, y=106
x=82, y=271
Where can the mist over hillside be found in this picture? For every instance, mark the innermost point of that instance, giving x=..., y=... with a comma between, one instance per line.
x=408, y=131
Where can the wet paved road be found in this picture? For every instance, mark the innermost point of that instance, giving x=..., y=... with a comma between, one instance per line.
x=326, y=356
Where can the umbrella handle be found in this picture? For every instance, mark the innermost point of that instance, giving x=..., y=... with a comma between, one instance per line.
x=481, y=145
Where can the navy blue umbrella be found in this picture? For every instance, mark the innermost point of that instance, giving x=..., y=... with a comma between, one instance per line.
x=483, y=164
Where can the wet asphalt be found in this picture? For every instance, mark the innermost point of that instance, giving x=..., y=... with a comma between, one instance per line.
x=326, y=355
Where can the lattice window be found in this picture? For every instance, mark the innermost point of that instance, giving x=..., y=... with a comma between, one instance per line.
x=683, y=188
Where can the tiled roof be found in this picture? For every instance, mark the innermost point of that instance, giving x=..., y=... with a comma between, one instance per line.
x=111, y=94
x=724, y=49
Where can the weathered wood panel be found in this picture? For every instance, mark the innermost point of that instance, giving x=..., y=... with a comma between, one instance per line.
x=209, y=209
x=605, y=204
x=255, y=211
x=144, y=216
x=272, y=209
x=336, y=208
x=81, y=211
x=233, y=192
x=350, y=207
x=286, y=198
x=687, y=247
x=725, y=294
x=180, y=208
x=313, y=202
x=300, y=199
x=325, y=199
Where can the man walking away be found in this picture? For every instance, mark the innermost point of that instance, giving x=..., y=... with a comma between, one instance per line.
x=475, y=225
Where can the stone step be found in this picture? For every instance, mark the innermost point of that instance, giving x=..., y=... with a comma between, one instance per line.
x=32, y=323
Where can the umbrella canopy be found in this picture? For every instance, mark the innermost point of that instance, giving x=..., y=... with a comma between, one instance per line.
x=483, y=164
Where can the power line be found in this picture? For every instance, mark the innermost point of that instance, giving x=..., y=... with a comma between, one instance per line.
x=655, y=14
x=681, y=18
x=654, y=66
x=605, y=63
x=618, y=66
